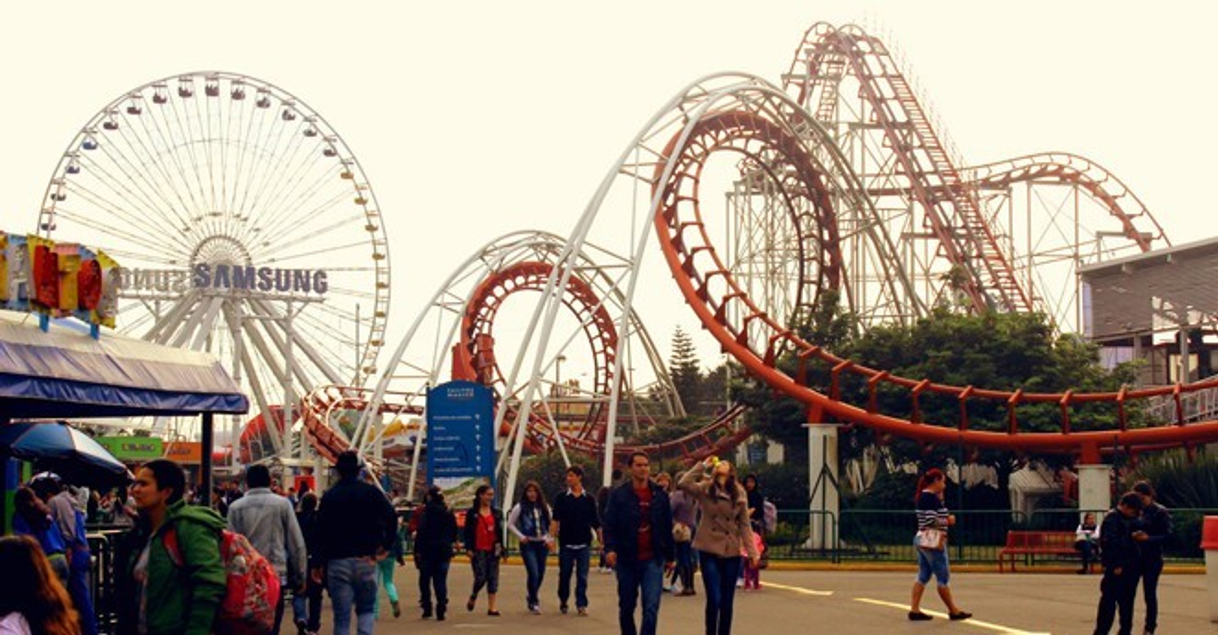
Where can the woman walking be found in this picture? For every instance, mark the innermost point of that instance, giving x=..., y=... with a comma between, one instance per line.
x=931, y=544
x=484, y=543
x=32, y=599
x=433, y=551
x=684, y=518
x=722, y=533
x=530, y=521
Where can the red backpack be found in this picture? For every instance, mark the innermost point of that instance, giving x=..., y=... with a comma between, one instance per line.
x=251, y=584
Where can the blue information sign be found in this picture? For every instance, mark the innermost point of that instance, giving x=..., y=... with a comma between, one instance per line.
x=460, y=434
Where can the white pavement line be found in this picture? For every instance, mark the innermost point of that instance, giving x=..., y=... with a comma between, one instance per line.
x=970, y=622
x=796, y=589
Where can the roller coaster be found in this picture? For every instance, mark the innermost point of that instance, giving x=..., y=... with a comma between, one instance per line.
x=842, y=180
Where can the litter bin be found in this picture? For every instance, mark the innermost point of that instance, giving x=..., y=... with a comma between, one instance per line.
x=1209, y=542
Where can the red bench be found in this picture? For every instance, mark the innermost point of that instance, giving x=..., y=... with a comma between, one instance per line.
x=1033, y=543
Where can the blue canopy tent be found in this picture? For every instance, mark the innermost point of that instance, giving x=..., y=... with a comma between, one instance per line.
x=63, y=373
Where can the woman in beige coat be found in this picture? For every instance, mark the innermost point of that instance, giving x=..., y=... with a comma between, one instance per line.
x=723, y=533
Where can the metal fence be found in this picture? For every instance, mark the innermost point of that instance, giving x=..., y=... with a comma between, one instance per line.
x=102, y=544
x=865, y=535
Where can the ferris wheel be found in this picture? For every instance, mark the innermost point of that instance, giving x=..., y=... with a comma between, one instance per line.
x=245, y=227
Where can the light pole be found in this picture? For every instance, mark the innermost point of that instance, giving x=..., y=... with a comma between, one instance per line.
x=557, y=390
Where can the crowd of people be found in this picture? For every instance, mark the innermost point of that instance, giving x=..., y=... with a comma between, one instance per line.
x=172, y=577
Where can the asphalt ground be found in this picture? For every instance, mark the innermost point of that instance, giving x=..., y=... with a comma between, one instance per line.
x=837, y=602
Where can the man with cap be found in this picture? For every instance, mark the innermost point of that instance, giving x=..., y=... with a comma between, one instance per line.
x=356, y=528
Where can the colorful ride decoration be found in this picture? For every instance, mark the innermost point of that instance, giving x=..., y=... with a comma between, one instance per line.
x=59, y=280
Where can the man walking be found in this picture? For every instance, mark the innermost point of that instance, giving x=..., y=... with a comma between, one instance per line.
x=357, y=527
x=574, y=519
x=1120, y=556
x=638, y=544
x=1153, y=530
x=269, y=522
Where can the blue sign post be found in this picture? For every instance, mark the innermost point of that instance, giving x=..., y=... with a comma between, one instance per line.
x=460, y=439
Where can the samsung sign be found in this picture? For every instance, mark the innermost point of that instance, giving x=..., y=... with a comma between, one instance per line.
x=227, y=277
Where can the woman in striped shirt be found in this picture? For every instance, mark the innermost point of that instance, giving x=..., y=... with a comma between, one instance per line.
x=932, y=559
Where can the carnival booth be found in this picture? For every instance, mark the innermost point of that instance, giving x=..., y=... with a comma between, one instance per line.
x=64, y=373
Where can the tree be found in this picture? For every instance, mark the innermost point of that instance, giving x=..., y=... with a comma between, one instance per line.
x=1000, y=351
x=686, y=370
x=778, y=417
x=550, y=472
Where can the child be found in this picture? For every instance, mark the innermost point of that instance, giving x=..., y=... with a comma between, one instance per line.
x=752, y=575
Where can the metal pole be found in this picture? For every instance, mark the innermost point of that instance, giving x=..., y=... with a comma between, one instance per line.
x=205, y=461
x=286, y=451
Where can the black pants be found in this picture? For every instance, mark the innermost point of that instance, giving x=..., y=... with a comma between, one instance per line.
x=433, y=574
x=1117, y=592
x=486, y=572
x=283, y=593
x=1150, y=590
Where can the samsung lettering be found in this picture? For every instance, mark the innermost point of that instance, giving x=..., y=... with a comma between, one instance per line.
x=265, y=279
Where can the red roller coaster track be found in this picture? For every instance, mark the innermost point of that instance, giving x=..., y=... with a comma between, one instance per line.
x=756, y=340
x=474, y=359
x=953, y=212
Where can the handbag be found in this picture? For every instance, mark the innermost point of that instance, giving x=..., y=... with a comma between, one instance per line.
x=681, y=532
x=931, y=539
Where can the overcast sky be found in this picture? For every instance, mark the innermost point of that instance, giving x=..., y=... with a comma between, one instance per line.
x=473, y=119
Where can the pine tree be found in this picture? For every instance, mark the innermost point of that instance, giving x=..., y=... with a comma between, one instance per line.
x=686, y=370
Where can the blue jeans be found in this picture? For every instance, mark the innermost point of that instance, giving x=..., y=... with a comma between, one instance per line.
x=933, y=562
x=352, y=585
x=632, y=576
x=576, y=559
x=719, y=577
x=307, y=606
x=534, y=555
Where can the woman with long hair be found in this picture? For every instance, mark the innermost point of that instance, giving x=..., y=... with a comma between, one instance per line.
x=32, y=599
x=931, y=545
x=530, y=521
x=68, y=515
x=723, y=534
x=484, y=544
x=33, y=519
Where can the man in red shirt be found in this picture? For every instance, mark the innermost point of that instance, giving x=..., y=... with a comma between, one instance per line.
x=639, y=544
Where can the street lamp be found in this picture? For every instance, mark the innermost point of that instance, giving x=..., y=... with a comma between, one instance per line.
x=558, y=388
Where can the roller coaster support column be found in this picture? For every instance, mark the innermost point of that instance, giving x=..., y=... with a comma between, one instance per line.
x=823, y=500
x=1094, y=481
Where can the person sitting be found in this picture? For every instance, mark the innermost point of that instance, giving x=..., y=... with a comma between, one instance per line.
x=1086, y=541
x=32, y=599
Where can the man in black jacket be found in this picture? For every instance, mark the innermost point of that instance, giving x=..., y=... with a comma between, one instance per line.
x=357, y=527
x=1153, y=530
x=1121, y=558
x=639, y=544
x=574, y=521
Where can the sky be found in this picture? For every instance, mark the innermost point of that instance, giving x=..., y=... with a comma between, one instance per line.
x=474, y=119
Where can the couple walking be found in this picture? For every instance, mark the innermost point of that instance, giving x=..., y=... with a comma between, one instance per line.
x=639, y=541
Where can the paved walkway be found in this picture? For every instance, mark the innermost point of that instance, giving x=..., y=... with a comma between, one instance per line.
x=812, y=602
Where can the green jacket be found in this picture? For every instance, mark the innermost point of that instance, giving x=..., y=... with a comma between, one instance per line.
x=183, y=600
